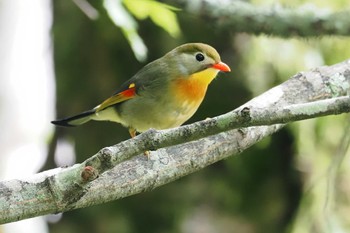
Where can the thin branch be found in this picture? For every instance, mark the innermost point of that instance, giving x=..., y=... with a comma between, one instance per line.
x=295, y=112
x=186, y=149
x=242, y=16
x=87, y=9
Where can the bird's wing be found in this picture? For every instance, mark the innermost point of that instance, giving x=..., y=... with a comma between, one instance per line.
x=128, y=92
x=150, y=77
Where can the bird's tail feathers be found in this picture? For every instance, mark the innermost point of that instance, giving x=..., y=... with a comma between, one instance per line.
x=75, y=120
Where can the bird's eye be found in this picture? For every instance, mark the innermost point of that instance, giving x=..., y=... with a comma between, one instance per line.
x=199, y=57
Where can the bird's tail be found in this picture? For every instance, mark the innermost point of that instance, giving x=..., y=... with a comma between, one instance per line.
x=75, y=120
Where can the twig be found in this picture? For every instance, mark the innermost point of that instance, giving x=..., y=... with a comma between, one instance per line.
x=87, y=9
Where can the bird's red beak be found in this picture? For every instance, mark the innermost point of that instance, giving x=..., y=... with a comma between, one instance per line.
x=222, y=67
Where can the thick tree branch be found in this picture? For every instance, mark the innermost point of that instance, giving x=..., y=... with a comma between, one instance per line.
x=186, y=149
x=241, y=16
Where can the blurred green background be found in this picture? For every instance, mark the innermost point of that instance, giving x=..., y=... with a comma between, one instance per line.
x=286, y=183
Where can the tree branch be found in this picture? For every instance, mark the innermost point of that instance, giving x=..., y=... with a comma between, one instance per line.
x=104, y=177
x=306, y=21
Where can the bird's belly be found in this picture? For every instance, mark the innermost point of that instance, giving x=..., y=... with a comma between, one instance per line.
x=156, y=114
x=179, y=114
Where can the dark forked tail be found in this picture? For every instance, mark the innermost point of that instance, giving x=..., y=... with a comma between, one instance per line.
x=75, y=120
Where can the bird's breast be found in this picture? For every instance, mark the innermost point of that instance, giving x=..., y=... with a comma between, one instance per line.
x=194, y=87
x=189, y=91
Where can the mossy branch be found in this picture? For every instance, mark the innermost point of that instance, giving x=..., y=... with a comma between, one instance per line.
x=116, y=172
x=275, y=20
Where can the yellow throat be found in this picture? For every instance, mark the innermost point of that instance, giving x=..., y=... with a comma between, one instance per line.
x=195, y=87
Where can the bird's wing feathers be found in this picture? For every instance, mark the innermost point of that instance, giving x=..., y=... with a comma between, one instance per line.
x=148, y=78
x=128, y=92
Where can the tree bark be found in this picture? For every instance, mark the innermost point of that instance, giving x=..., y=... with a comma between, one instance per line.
x=275, y=20
x=116, y=172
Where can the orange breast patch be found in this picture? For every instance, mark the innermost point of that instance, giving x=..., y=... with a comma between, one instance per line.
x=194, y=87
x=190, y=90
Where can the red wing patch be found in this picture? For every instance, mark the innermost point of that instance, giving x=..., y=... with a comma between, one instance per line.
x=118, y=98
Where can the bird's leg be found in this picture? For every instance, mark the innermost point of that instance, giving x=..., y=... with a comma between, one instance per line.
x=132, y=133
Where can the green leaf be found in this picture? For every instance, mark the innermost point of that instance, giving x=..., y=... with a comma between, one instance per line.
x=161, y=14
x=127, y=23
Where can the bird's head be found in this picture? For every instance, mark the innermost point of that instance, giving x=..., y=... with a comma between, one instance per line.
x=192, y=58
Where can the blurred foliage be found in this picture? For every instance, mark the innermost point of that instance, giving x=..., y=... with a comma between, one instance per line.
x=161, y=14
x=282, y=184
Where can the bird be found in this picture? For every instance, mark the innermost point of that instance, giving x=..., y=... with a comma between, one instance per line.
x=164, y=94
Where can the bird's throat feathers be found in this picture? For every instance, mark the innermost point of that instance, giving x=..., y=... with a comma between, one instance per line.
x=194, y=87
